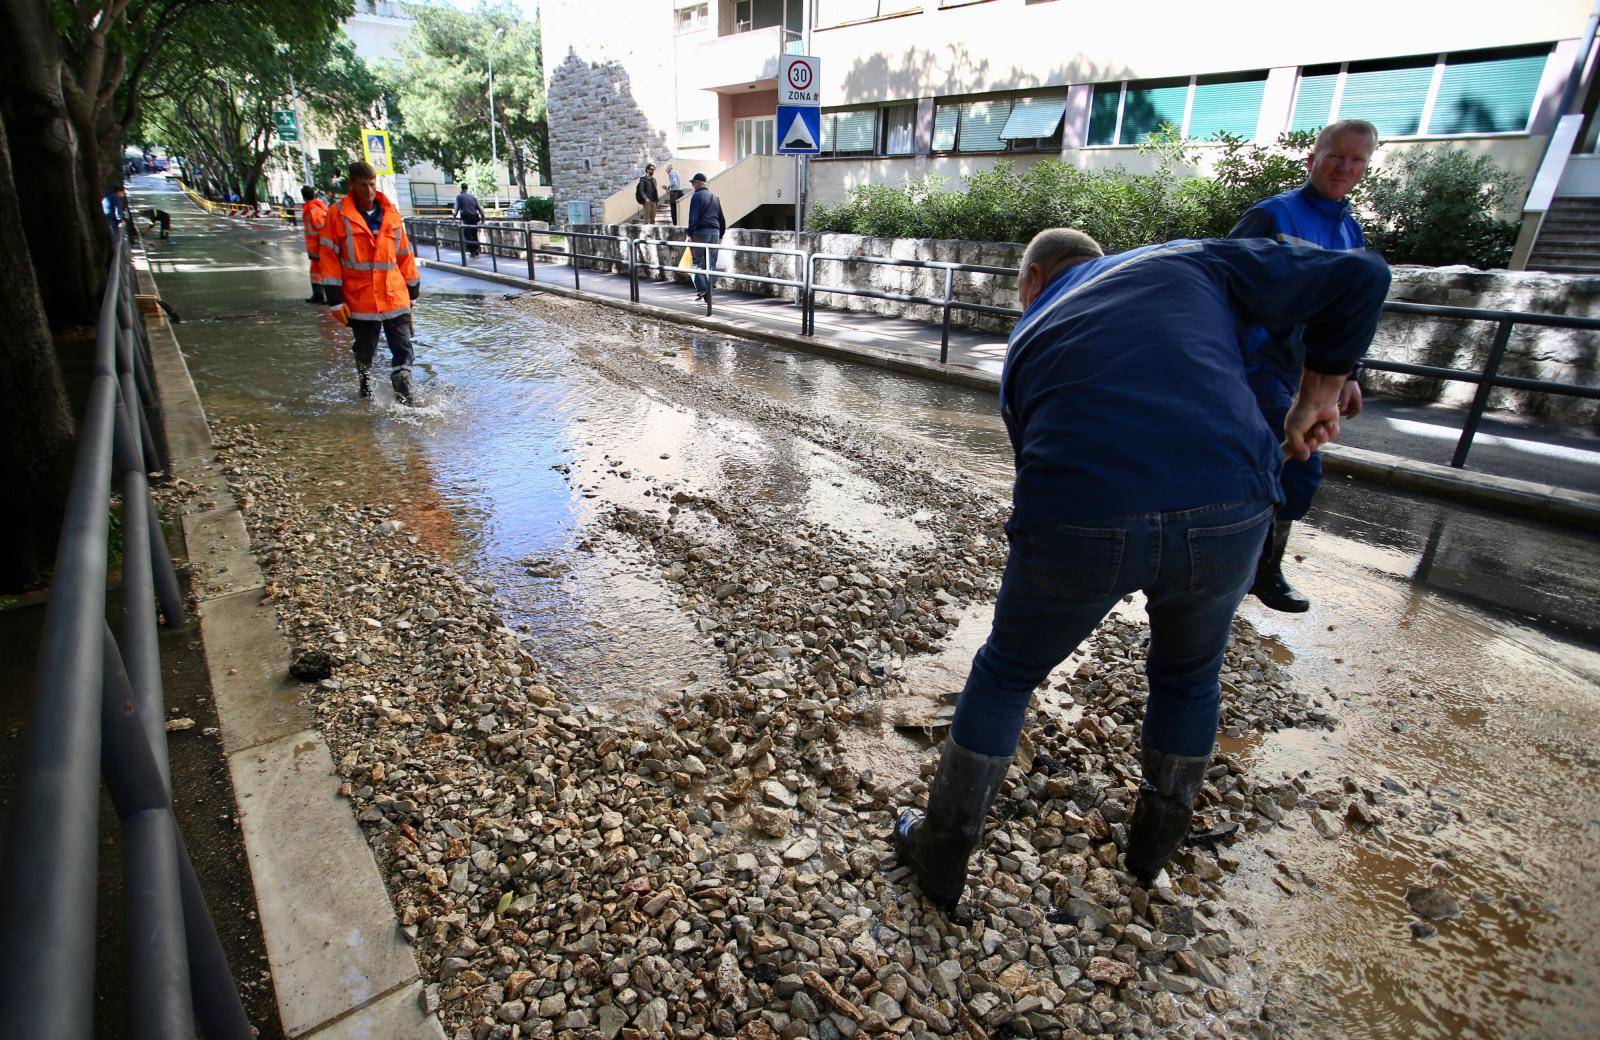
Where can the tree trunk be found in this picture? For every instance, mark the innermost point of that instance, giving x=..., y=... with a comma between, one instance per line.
x=37, y=448
x=54, y=198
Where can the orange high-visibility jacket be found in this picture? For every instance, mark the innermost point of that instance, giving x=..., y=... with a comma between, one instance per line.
x=314, y=213
x=375, y=275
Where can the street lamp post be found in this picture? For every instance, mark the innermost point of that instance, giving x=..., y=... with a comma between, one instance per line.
x=494, y=148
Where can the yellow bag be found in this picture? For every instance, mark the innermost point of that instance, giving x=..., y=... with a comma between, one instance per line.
x=687, y=259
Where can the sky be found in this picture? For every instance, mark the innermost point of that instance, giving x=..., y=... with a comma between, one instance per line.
x=529, y=8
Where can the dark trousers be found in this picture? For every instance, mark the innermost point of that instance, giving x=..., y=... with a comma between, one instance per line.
x=396, y=332
x=1193, y=566
x=705, y=259
x=470, y=227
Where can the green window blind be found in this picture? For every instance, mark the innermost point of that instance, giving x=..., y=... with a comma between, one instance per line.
x=854, y=131
x=1487, y=92
x=981, y=123
x=1388, y=94
x=1229, y=104
x=1314, y=98
x=1034, y=117
x=945, y=119
x=1150, y=104
x=1103, y=112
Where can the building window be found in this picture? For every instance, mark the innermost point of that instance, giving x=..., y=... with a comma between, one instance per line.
x=691, y=19
x=899, y=129
x=754, y=136
x=1198, y=107
x=694, y=132
x=750, y=15
x=1475, y=92
x=850, y=132
x=842, y=12
x=1000, y=123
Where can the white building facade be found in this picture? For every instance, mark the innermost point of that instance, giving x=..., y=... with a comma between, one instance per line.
x=949, y=87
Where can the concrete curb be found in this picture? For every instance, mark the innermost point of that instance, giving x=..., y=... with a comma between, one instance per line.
x=1541, y=501
x=339, y=963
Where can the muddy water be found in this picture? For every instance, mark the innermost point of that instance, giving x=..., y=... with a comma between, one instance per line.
x=1455, y=649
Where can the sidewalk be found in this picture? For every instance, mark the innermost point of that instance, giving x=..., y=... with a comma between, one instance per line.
x=1517, y=464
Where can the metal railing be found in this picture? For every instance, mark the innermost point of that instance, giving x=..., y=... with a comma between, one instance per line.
x=808, y=288
x=98, y=709
x=1489, y=378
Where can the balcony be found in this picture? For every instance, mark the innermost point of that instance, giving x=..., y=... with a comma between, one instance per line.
x=740, y=60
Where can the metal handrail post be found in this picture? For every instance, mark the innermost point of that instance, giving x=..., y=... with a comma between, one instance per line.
x=494, y=261
x=806, y=317
x=461, y=241
x=1480, y=400
x=633, y=270
x=436, y=238
x=944, y=332
x=48, y=891
x=572, y=259
x=527, y=242
x=217, y=1006
x=159, y=1002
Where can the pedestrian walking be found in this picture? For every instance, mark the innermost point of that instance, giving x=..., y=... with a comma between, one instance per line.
x=470, y=213
x=706, y=224
x=647, y=194
x=1317, y=213
x=114, y=205
x=158, y=218
x=674, y=192
x=1142, y=463
x=314, y=214
x=371, y=277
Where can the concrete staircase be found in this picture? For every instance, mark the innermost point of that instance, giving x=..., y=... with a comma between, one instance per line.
x=1569, y=238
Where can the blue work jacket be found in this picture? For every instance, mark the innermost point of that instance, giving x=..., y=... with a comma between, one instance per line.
x=1301, y=216
x=1123, y=389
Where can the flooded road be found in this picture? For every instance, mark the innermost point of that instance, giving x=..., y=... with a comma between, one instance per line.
x=1455, y=650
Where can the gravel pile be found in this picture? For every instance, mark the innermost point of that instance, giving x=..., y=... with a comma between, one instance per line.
x=720, y=869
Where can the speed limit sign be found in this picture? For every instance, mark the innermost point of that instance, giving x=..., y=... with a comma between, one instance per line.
x=797, y=81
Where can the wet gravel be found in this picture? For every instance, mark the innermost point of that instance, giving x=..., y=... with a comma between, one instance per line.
x=715, y=866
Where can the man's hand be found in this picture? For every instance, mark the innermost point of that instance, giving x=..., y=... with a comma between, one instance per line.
x=1313, y=418
x=1350, y=399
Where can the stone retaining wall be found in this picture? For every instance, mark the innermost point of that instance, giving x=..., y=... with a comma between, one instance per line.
x=1560, y=355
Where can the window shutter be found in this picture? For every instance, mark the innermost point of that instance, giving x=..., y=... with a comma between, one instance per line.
x=1149, y=105
x=981, y=123
x=945, y=118
x=1487, y=92
x=1033, y=117
x=1229, y=104
x=826, y=144
x=1103, y=112
x=899, y=129
x=1313, y=98
x=855, y=131
x=1388, y=94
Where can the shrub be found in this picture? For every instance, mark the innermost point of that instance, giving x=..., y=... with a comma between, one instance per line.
x=1435, y=208
x=535, y=207
x=1246, y=172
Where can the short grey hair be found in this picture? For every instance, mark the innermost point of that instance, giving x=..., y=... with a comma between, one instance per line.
x=1054, y=248
x=1328, y=133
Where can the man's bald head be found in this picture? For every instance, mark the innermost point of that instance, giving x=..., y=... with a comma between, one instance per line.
x=1052, y=251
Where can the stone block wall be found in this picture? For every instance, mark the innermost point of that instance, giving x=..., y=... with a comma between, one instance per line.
x=600, y=139
x=1559, y=355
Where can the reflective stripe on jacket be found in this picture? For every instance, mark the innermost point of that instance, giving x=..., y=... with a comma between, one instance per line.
x=376, y=273
x=314, y=214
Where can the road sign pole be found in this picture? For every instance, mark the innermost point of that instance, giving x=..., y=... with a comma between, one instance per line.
x=305, y=158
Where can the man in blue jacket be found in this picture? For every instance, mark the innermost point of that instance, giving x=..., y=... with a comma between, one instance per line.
x=1142, y=463
x=1315, y=214
x=706, y=224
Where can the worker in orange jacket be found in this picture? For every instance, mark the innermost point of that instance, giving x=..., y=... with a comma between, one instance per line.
x=313, y=212
x=370, y=276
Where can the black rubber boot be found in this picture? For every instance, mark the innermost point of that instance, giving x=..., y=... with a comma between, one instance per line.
x=1161, y=819
x=936, y=845
x=1271, y=588
x=401, y=381
x=364, y=387
x=316, y=294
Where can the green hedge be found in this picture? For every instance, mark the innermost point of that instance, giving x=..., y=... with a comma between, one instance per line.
x=1425, y=207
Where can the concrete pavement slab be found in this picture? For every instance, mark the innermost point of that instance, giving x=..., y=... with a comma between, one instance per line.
x=219, y=553
x=330, y=932
x=394, y=1016
x=248, y=659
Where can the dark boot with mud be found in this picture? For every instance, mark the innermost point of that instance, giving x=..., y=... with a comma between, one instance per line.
x=364, y=375
x=400, y=379
x=1271, y=588
x=1161, y=819
x=317, y=295
x=937, y=845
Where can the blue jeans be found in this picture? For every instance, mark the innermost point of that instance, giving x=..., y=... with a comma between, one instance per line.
x=705, y=259
x=1193, y=565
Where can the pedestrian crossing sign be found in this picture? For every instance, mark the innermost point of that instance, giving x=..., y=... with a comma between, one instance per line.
x=799, y=130
x=375, y=146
